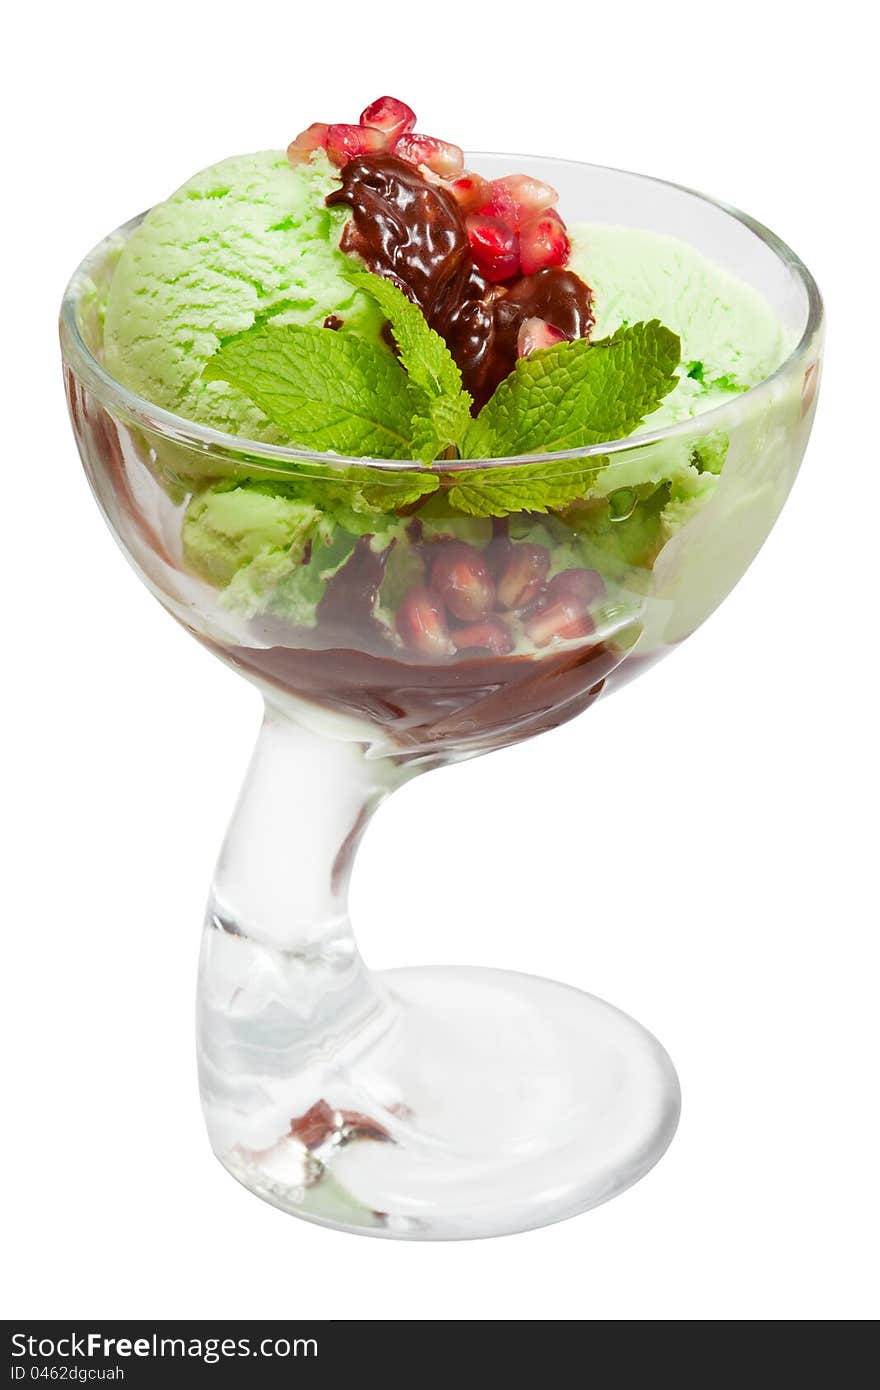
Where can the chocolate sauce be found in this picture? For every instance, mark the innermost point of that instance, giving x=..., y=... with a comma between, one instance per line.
x=445, y=708
x=413, y=233
x=350, y=664
x=556, y=295
x=345, y=612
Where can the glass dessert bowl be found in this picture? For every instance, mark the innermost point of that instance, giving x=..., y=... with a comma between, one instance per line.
x=430, y=1103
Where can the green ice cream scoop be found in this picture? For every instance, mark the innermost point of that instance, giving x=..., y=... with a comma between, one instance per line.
x=251, y=239
x=244, y=241
x=730, y=337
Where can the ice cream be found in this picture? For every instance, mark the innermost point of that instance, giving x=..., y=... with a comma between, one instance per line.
x=730, y=337
x=250, y=239
x=247, y=239
x=318, y=563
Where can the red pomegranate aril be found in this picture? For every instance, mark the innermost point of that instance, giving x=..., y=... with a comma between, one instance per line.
x=421, y=623
x=388, y=114
x=530, y=196
x=583, y=584
x=316, y=1126
x=536, y=333
x=543, y=242
x=314, y=137
x=345, y=142
x=435, y=180
x=522, y=575
x=493, y=247
x=562, y=620
x=438, y=155
x=562, y=611
x=499, y=203
x=469, y=191
x=461, y=577
x=516, y=199
x=492, y=636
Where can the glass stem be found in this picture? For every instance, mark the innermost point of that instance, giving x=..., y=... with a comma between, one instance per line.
x=281, y=981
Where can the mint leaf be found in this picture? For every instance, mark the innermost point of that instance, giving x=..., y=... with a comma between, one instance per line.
x=443, y=409
x=388, y=492
x=423, y=352
x=529, y=487
x=362, y=490
x=577, y=394
x=326, y=391
x=426, y=442
x=358, y=489
x=439, y=423
x=339, y=393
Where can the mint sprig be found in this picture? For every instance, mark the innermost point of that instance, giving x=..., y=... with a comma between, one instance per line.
x=332, y=391
x=576, y=394
x=569, y=396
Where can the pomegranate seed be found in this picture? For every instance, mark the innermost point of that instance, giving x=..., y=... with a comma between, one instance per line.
x=529, y=196
x=536, y=333
x=493, y=247
x=440, y=157
x=461, y=577
x=492, y=636
x=562, y=611
x=586, y=585
x=543, y=242
x=322, y=1122
x=560, y=621
x=388, y=114
x=518, y=198
x=316, y=1126
x=345, y=142
x=522, y=575
x=469, y=191
x=499, y=203
x=421, y=623
x=436, y=180
x=313, y=138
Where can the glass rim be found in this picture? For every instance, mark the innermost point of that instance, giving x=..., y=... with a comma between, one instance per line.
x=191, y=433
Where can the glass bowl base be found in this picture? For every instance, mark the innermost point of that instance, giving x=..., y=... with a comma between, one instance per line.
x=474, y=1102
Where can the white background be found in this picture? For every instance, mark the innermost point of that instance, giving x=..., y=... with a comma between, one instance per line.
x=701, y=849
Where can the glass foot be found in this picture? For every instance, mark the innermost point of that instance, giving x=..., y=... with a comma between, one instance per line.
x=431, y=1104
x=469, y=1102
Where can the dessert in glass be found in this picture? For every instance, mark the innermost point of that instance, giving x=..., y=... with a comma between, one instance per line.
x=435, y=451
